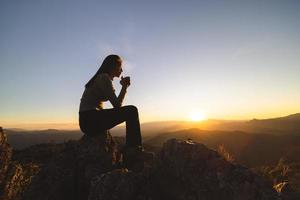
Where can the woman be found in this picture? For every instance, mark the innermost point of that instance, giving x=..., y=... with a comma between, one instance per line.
x=94, y=119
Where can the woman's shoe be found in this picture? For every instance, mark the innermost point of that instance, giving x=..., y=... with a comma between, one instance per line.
x=134, y=158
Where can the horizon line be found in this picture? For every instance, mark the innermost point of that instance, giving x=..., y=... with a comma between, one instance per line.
x=26, y=126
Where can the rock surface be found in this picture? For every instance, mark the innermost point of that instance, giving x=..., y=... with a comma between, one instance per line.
x=184, y=170
x=68, y=174
x=55, y=171
x=5, y=157
x=90, y=169
x=14, y=177
x=285, y=191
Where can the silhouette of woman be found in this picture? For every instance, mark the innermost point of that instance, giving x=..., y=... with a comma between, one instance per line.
x=94, y=119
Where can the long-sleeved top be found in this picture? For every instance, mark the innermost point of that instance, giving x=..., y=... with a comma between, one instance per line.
x=101, y=90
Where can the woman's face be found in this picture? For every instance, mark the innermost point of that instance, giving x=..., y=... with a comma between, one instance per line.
x=117, y=70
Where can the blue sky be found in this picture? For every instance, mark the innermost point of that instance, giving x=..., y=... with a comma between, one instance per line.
x=227, y=59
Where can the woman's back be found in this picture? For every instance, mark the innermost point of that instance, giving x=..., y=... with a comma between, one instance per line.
x=94, y=95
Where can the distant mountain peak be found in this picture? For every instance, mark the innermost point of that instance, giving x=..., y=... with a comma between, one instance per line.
x=295, y=116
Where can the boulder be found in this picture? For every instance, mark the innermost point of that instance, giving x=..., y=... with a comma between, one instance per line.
x=14, y=177
x=96, y=155
x=69, y=173
x=5, y=158
x=196, y=172
x=184, y=170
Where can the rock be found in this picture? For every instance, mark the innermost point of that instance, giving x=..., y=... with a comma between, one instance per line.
x=118, y=184
x=18, y=180
x=184, y=170
x=14, y=177
x=56, y=177
x=285, y=191
x=55, y=171
x=86, y=169
x=69, y=173
x=5, y=158
x=96, y=155
x=192, y=171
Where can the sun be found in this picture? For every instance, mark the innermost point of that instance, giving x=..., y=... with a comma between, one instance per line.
x=197, y=116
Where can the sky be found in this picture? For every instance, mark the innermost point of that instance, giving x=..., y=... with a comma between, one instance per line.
x=226, y=59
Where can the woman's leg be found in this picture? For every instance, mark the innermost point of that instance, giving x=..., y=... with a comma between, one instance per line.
x=128, y=114
x=97, y=121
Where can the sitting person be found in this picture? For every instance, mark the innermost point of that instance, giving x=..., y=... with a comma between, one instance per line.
x=94, y=119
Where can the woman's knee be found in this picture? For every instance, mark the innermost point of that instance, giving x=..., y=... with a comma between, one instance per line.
x=132, y=110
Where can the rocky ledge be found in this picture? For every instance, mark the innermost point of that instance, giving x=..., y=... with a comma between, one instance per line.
x=183, y=170
x=91, y=168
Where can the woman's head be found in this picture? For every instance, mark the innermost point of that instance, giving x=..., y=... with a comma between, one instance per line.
x=110, y=65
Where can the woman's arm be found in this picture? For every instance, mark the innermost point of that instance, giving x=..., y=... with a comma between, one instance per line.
x=125, y=82
x=114, y=100
x=121, y=97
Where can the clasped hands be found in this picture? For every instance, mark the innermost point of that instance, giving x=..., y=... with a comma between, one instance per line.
x=125, y=81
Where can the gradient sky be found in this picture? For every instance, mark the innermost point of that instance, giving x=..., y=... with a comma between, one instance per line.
x=229, y=59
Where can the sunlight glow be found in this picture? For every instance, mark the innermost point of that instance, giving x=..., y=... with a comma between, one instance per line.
x=197, y=116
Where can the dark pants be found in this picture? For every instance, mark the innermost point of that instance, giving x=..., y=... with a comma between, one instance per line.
x=94, y=122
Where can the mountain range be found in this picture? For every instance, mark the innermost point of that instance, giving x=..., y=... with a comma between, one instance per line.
x=288, y=125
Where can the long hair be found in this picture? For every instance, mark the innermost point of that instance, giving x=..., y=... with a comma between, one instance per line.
x=108, y=64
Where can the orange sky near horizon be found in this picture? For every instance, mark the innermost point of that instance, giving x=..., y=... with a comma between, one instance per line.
x=73, y=125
